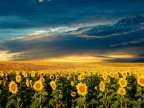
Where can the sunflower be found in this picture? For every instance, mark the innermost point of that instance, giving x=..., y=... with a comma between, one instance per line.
x=124, y=74
x=72, y=83
x=73, y=94
x=68, y=77
x=38, y=86
x=33, y=74
x=140, y=80
x=17, y=72
x=1, y=73
x=18, y=78
x=81, y=77
x=116, y=76
x=57, y=77
x=82, y=89
x=105, y=77
x=30, y=82
x=112, y=74
x=102, y=86
x=13, y=87
x=24, y=74
x=122, y=82
x=27, y=83
x=41, y=77
x=51, y=77
x=121, y=91
x=129, y=73
x=53, y=85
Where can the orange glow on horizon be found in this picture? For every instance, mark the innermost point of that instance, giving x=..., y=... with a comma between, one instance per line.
x=77, y=59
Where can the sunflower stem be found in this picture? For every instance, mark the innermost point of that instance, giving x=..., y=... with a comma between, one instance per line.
x=40, y=100
x=121, y=101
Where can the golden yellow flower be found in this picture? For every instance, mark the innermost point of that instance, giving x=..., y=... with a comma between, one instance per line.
x=108, y=80
x=73, y=94
x=81, y=77
x=122, y=82
x=1, y=73
x=30, y=82
x=68, y=77
x=72, y=83
x=40, y=73
x=129, y=73
x=140, y=80
x=42, y=79
x=13, y=87
x=51, y=77
x=82, y=89
x=33, y=74
x=124, y=74
x=105, y=77
x=121, y=91
x=1, y=82
x=57, y=77
x=24, y=74
x=18, y=78
x=112, y=74
x=116, y=76
x=27, y=83
x=17, y=72
x=102, y=86
x=53, y=85
x=38, y=86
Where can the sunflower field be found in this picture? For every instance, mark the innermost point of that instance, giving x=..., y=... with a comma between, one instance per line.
x=101, y=88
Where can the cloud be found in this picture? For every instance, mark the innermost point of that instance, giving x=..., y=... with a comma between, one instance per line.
x=5, y=55
x=130, y=42
x=62, y=42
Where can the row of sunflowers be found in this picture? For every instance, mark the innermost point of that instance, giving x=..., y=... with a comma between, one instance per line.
x=93, y=89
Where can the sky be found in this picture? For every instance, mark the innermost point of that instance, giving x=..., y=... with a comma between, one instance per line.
x=72, y=30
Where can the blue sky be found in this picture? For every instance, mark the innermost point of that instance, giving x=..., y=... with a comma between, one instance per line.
x=107, y=30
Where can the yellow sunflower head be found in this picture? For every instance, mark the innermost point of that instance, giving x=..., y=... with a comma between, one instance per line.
x=82, y=89
x=81, y=77
x=27, y=83
x=122, y=82
x=140, y=80
x=53, y=85
x=72, y=83
x=13, y=87
x=57, y=77
x=102, y=86
x=1, y=73
x=124, y=74
x=17, y=72
x=38, y=86
x=105, y=77
x=129, y=73
x=41, y=77
x=33, y=74
x=73, y=94
x=18, y=78
x=24, y=74
x=116, y=76
x=31, y=83
x=68, y=77
x=121, y=91
x=51, y=77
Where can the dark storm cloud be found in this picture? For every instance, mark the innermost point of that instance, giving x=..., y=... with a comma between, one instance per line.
x=58, y=28
x=73, y=42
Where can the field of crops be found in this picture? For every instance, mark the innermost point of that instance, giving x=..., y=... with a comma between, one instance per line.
x=107, y=87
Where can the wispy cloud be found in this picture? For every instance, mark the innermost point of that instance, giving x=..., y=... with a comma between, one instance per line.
x=5, y=55
x=127, y=43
